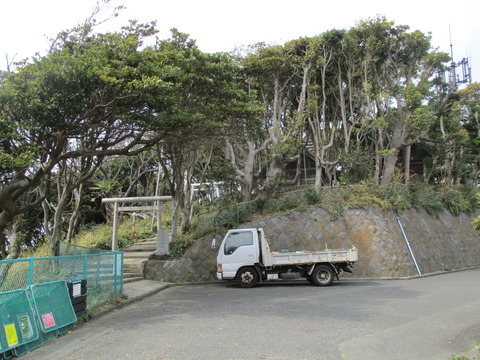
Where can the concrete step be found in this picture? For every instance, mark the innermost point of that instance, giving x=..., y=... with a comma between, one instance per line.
x=134, y=257
x=135, y=265
x=137, y=255
x=131, y=274
x=146, y=242
x=136, y=248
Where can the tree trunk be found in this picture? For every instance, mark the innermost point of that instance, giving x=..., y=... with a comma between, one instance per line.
x=275, y=171
x=72, y=224
x=243, y=162
x=406, y=163
x=175, y=219
x=56, y=236
x=15, y=247
x=389, y=167
x=397, y=143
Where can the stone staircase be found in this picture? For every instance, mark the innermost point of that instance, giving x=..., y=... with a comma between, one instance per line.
x=134, y=258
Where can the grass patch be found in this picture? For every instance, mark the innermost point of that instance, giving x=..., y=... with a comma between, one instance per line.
x=100, y=236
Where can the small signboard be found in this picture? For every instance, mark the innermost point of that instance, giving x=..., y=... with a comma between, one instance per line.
x=76, y=289
x=25, y=327
x=11, y=335
x=48, y=320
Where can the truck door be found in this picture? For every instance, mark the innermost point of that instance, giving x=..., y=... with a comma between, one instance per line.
x=240, y=249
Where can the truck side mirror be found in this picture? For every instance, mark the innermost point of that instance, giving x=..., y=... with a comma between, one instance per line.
x=214, y=244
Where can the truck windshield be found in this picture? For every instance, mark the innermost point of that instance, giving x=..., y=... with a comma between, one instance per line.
x=237, y=239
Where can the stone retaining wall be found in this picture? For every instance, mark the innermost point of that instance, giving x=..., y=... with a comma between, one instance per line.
x=439, y=242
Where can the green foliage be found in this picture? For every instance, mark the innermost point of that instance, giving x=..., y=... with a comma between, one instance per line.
x=289, y=203
x=123, y=242
x=421, y=120
x=357, y=200
x=397, y=194
x=455, y=201
x=100, y=236
x=233, y=216
x=181, y=245
x=312, y=196
x=335, y=211
x=476, y=222
x=425, y=197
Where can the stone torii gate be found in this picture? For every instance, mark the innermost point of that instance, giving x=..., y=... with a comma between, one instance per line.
x=162, y=235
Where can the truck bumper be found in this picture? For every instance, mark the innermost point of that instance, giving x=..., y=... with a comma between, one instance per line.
x=219, y=276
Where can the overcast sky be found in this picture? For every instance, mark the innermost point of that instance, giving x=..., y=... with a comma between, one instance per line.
x=220, y=25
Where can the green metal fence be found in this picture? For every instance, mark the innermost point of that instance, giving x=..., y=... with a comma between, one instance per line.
x=30, y=318
x=102, y=270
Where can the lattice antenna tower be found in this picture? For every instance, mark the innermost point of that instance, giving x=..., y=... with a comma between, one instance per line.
x=459, y=72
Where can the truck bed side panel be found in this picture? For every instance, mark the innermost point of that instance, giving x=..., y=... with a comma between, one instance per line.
x=306, y=257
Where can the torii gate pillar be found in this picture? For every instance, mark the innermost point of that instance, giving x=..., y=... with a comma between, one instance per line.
x=162, y=235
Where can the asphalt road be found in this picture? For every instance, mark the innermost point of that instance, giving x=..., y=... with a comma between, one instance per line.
x=425, y=318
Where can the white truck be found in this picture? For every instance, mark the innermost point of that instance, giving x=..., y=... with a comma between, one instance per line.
x=244, y=256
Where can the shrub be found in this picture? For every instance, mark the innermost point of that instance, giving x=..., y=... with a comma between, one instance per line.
x=476, y=224
x=398, y=195
x=288, y=203
x=312, y=196
x=455, y=201
x=181, y=245
x=424, y=196
x=122, y=242
x=471, y=195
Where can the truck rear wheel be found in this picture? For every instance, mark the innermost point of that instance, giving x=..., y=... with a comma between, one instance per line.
x=322, y=275
x=247, y=277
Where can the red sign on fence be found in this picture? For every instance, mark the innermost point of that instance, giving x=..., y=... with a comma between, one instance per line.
x=48, y=320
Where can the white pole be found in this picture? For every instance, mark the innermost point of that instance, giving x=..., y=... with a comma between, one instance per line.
x=115, y=228
x=157, y=186
x=137, y=199
x=408, y=244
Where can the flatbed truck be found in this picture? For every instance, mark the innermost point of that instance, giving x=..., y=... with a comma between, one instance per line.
x=245, y=257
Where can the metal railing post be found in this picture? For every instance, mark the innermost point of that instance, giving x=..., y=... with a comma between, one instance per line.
x=85, y=266
x=121, y=272
x=31, y=264
x=115, y=273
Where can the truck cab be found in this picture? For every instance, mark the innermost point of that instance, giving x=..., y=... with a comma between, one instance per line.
x=239, y=248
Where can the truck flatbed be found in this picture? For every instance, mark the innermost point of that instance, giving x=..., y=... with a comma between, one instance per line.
x=311, y=257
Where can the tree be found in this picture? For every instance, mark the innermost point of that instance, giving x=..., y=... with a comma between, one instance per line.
x=210, y=105
x=395, y=63
x=88, y=88
x=327, y=112
x=469, y=107
x=278, y=76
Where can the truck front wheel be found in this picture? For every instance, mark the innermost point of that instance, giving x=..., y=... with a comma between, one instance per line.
x=247, y=277
x=322, y=275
